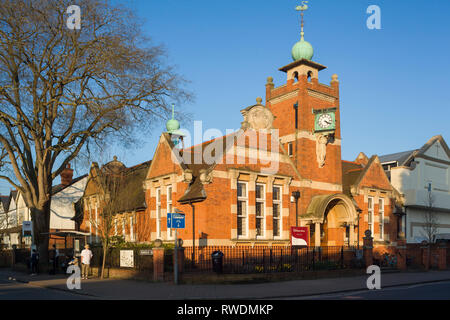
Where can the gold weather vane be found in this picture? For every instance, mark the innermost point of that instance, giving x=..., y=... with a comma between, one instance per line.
x=302, y=9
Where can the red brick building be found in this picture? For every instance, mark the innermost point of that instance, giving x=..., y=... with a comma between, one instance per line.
x=237, y=201
x=127, y=209
x=283, y=168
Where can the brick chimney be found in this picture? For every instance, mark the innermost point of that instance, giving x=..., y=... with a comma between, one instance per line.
x=66, y=176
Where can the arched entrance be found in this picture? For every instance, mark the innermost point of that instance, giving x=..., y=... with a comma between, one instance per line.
x=332, y=219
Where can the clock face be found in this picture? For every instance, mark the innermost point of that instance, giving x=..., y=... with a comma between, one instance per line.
x=325, y=121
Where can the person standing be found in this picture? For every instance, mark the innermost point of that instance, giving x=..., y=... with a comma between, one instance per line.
x=86, y=256
x=34, y=262
x=52, y=257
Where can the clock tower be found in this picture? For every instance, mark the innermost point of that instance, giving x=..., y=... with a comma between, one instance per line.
x=307, y=116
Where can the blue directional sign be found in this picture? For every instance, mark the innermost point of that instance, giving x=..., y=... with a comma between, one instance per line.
x=176, y=221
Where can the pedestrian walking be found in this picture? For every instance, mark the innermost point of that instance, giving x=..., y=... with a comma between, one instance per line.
x=86, y=256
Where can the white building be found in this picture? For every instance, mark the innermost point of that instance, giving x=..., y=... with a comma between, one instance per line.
x=9, y=224
x=416, y=174
x=13, y=210
x=62, y=208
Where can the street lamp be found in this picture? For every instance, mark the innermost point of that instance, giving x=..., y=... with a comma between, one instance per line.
x=296, y=195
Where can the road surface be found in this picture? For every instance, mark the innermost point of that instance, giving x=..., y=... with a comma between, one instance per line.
x=425, y=291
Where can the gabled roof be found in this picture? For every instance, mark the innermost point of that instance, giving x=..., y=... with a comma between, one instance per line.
x=133, y=197
x=13, y=195
x=350, y=174
x=399, y=157
x=405, y=158
x=195, y=191
x=60, y=187
x=5, y=202
x=353, y=173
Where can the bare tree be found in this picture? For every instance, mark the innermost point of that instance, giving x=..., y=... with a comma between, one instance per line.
x=63, y=91
x=110, y=187
x=431, y=221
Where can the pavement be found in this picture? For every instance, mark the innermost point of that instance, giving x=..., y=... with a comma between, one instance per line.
x=113, y=289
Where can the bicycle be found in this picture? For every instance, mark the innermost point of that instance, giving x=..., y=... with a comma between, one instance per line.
x=389, y=260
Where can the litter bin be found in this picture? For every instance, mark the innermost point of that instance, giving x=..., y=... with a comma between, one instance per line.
x=217, y=261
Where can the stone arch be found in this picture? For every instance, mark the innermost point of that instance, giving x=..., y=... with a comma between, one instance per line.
x=320, y=205
x=334, y=213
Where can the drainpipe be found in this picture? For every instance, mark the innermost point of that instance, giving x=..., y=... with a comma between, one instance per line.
x=193, y=234
x=359, y=213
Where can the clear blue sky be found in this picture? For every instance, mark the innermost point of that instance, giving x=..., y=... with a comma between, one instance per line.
x=395, y=82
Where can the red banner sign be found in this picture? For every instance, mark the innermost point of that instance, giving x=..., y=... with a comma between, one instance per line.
x=299, y=236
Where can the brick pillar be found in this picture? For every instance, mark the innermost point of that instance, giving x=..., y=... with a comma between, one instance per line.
x=401, y=254
x=158, y=264
x=442, y=252
x=368, y=248
x=426, y=256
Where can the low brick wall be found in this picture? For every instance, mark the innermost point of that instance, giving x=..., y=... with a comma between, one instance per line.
x=123, y=273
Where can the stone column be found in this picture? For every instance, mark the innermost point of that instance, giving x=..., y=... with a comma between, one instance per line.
x=368, y=248
x=251, y=214
x=352, y=235
x=442, y=252
x=317, y=234
x=158, y=264
x=401, y=254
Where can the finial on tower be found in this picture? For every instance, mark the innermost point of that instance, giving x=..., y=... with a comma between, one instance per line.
x=302, y=49
x=172, y=125
x=302, y=8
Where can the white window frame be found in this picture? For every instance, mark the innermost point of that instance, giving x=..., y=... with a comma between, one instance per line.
x=124, y=232
x=381, y=204
x=158, y=213
x=115, y=227
x=280, y=206
x=131, y=229
x=370, y=214
x=263, y=218
x=243, y=199
x=169, y=207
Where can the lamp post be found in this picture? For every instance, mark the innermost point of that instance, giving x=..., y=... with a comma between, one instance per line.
x=296, y=195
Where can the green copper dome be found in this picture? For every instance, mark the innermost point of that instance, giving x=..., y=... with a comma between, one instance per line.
x=302, y=50
x=172, y=124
